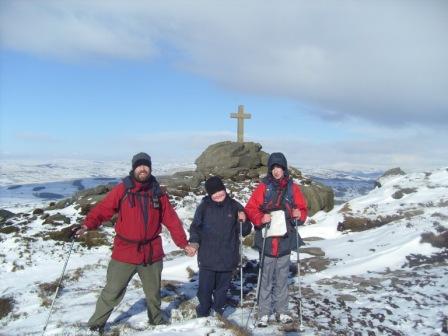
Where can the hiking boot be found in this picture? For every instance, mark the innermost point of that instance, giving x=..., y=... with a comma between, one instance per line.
x=217, y=312
x=263, y=321
x=159, y=323
x=283, y=318
x=99, y=329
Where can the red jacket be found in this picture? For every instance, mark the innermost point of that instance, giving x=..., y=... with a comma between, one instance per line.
x=278, y=245
x=137, y=242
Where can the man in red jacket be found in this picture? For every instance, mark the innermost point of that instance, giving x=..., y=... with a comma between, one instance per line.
x=277, y=195
x=142, y=207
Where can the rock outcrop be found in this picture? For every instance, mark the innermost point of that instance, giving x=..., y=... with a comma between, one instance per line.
x=388, y=174
x=232, y=161
x=245, y=161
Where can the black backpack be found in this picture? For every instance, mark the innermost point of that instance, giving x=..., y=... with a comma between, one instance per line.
x=156, y=192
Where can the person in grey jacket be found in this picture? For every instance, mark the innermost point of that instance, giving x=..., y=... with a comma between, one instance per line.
x=276, y=192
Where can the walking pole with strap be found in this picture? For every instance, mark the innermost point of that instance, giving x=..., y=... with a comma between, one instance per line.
x=299, y=240
x=260, y=273
x=59, y=283
x=241, y=270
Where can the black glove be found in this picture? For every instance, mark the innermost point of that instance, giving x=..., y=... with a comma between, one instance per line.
x=73, y=230
x=297, y=222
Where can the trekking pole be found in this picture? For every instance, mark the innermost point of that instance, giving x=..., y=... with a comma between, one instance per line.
x=299, y=239
x=241, y=271
x=260, y=273
x=59, y=284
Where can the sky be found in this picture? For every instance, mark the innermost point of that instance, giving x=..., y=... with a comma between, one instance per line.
x=332, y=84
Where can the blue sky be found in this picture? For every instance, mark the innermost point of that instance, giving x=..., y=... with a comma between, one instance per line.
x=324, y=82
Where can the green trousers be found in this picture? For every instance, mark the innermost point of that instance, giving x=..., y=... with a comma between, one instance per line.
x=118, y=276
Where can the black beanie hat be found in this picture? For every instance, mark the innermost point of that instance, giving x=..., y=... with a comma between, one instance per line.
x=141, y=159
x=213, y=185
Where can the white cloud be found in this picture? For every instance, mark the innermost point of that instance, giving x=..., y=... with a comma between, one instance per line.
x=74, y=30
x=379, y=60
x=410, y=150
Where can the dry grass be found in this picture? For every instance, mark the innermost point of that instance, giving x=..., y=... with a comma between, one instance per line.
x=94, y=238
x=357, y=224
x=345, y=209
x=16, y=267
x=439, y=215
x=249, y=240
x=89, y=240
x=79, y=272
x=60, y=235
x=46, y=292
x=190, y=272
x=234, y=328
x=9, y=229
x=440, y=241
x=6, y=306
x=401, y=192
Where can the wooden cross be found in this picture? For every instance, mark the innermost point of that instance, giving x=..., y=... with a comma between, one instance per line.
x=240, y=116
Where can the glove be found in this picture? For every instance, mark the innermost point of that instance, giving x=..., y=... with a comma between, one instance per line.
x=297, y=222
x=77, y=231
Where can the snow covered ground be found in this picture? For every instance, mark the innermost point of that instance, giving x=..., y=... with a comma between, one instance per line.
x=379, y=281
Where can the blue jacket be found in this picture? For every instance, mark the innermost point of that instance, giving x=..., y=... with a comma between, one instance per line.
x=216, y=229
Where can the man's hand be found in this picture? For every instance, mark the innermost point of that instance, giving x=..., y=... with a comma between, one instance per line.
x=241, y=216
x=79, y=231
x=191, y=249
x=296, y=213
x=266, y=219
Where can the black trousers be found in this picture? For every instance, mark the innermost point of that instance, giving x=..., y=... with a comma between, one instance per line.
x=212, y=292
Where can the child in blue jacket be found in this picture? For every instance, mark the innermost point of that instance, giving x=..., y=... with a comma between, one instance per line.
x=214, y=233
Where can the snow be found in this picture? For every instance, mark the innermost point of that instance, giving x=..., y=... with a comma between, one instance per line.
x=378, y=255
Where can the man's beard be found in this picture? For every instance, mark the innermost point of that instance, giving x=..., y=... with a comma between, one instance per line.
x=143, y=178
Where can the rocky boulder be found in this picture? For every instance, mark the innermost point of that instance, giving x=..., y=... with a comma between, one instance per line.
x=318, y=196
x=245, y=161
x=388, y=174
x=5, y=215
x=394, y=172
x=181, y=183
x=232, y=160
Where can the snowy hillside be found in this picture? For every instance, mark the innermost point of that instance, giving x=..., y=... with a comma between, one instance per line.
x=30, y=184
x=365, y=270
x=15, y=172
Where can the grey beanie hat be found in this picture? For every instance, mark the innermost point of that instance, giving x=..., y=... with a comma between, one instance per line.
x=141, y=159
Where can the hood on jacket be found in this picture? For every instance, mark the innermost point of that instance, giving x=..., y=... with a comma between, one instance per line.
x=279, y=159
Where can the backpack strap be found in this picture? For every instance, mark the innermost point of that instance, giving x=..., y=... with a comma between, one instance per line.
x=128, y=185
x=287, y=202
x=157, y=192
x=271, y=193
